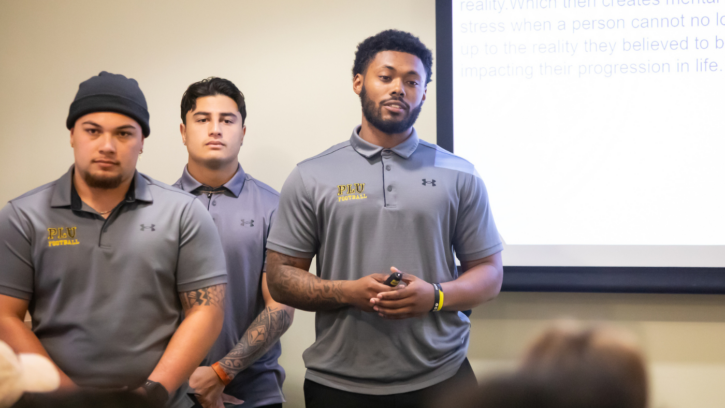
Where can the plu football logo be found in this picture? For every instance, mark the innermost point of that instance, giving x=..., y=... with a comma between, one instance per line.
x=347, y=192
x=62, y=236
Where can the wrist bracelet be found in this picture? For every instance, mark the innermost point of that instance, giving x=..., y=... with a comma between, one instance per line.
x=440, y=304
x=156, y=393
x=221, y=373
x=438, y=301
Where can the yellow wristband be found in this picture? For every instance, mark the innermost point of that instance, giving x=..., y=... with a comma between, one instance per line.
x=440, y=303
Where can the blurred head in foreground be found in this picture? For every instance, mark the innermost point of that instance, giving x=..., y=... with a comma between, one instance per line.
x=569, y=366
x=596, y=366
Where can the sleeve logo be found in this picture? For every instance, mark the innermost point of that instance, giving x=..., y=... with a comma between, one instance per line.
x=62, y=236
x=346, y=192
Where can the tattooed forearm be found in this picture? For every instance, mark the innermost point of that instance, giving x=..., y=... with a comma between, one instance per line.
x=260, y=336
x=291, y=284
x=209, y=296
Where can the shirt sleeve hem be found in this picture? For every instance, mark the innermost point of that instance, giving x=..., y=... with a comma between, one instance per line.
x=203, y=283
x=481, y=254
x=16, y=293
x=289, y=251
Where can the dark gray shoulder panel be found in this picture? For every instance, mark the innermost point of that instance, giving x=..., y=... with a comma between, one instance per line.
x=262, y=186
x=447, y=160
x=37, y=190
x=163, y=186
x=328, y=152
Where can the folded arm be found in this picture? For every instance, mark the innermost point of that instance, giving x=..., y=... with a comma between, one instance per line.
x=479, y=282
x=291, y=283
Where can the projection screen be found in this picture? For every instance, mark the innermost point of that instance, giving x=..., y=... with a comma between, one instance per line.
x=598, y=128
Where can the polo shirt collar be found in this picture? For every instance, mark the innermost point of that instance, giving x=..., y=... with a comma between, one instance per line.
x=65, y=194
x=62, y=193
x=367, y=149
x=234, y=186
x=139, y=189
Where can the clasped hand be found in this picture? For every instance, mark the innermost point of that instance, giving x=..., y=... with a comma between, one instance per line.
x=209, y=389
x=412, y=297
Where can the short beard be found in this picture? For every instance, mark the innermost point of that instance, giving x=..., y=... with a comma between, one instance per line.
x=375, y=116
x=104, y=183
x=216, y=164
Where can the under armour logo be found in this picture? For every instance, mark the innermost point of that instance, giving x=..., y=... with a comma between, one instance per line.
x=425, y=183
x=250, y=223
x=152, y=227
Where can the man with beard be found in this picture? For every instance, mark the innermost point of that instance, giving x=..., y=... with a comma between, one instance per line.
x=107, y=260
x=385, y=201
x=243, y=361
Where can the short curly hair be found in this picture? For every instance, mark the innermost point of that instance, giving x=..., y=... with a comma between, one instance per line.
x=392, y=40
x=212, y=86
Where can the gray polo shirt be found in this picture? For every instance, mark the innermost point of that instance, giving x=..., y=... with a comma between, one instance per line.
x=104, y=292
x=242, y=210
x=362, y=209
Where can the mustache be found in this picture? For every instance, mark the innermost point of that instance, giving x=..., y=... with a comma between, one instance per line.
x=106, y=160
x=396, y=100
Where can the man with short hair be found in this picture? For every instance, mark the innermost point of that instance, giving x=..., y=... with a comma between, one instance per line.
x=243, y=361
x=384, y=200
x=108, y=260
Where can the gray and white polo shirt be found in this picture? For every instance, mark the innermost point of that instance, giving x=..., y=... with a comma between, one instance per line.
x=362, y=209
x=104, y=292
x=242, y=210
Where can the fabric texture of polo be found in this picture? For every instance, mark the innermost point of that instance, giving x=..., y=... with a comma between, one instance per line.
x=104, y=292
x=242, y=210
x=362, y=209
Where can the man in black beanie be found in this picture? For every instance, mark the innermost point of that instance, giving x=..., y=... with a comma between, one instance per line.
x=107, y=260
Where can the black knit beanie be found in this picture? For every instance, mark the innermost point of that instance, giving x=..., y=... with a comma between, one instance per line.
x=110, y=93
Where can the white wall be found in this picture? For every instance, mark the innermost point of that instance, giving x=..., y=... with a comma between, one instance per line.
x=292, y=59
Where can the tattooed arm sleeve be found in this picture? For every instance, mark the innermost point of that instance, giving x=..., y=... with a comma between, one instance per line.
x=291, y=283
x=260, y=336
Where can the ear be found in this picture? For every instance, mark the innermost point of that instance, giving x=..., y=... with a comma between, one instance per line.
x=357, y=83
x=425, y=94
x=182, y=129
x=72, y=139
x=244, y=132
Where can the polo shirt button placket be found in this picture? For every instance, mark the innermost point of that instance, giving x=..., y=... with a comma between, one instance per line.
x=388, y=178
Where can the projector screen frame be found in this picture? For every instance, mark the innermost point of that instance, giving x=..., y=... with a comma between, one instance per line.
x=686, y=280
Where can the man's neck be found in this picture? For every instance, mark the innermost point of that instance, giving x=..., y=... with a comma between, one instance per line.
x=100, y=199
x=212, y=177
x=371, y=134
